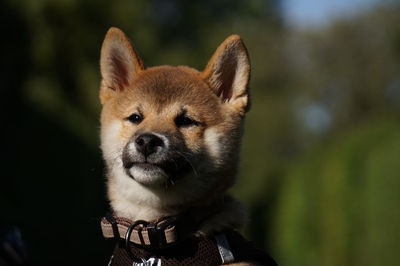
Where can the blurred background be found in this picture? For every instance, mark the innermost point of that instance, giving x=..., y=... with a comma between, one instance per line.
x=320, y=169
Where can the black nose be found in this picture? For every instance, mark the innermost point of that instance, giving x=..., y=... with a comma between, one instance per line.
x=148, y=144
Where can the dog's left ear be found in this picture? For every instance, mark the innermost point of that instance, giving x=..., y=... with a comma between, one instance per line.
x=228, y=73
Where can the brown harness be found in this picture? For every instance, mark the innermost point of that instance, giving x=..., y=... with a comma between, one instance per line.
x=168, y=242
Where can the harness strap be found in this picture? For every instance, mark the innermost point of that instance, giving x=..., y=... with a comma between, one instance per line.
x=113, y=223
x=224, y=249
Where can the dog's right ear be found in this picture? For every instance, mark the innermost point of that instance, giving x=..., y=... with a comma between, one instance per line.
x=119, y=64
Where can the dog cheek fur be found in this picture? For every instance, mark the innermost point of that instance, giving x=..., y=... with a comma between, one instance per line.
x=212, y=142
x=222, y=143
x=111, y=144
x=220, y=148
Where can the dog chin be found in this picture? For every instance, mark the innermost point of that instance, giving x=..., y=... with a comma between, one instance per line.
x=148, y=174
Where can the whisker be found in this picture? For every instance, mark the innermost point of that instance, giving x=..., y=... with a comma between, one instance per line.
x=190, y=163
x=176, y=165
x=169, y=182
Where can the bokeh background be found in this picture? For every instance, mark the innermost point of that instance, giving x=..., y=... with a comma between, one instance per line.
x=320, y=169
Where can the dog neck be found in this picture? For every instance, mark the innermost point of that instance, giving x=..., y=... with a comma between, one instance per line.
x=219, y=215
x=133, y=201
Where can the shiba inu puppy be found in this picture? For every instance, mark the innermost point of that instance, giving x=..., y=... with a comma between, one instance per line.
x=171, y=137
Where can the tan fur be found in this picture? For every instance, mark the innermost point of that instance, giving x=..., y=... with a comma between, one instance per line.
x=216, y=98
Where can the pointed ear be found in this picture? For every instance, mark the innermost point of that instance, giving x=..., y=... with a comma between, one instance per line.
x=228, y=73
x=119, y=63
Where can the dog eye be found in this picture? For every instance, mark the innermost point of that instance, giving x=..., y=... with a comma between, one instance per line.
x=135, y=118
x=184, y=121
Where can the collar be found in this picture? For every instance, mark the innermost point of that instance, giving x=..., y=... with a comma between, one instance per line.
x=160, y=233
x=155, y=234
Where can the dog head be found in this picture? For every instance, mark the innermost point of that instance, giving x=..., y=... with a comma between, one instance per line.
x=170, y=136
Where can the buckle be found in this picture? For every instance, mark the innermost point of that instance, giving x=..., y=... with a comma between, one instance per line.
x=156, y=232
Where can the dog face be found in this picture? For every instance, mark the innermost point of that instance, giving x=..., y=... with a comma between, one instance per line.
x=170, y=136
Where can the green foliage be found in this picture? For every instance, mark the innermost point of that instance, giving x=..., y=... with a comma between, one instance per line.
x=339, y=205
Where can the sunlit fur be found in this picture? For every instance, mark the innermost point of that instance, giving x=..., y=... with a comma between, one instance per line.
x=210, y=148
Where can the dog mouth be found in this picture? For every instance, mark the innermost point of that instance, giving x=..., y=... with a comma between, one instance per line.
x=145, y=166
x=156, y=174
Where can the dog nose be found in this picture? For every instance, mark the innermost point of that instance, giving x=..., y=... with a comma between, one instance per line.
x=148, y=143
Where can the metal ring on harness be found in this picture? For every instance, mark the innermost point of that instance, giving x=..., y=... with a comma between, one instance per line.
x=129, y=232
